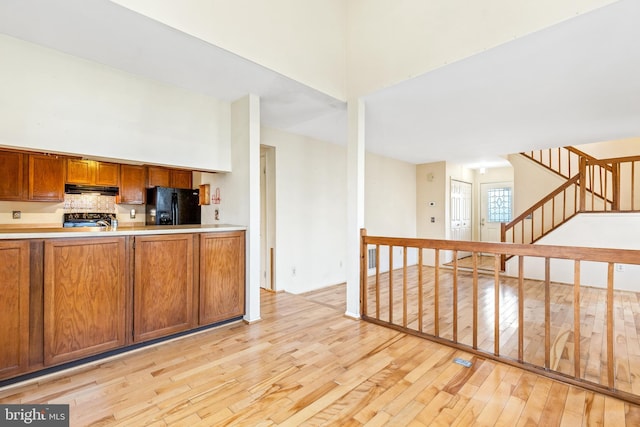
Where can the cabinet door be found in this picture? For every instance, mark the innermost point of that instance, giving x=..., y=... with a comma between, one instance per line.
x=163, y=285
x=46, y=178
x=107, y=173
x=80, y=171
x=84, y=297
x=132, y=188
x=181, y=179
x=14, y=307
x=221, y=276
x=12, y=167
x=158, y=177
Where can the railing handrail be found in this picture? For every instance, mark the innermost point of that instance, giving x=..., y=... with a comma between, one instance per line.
x=622, y=256
x=542, y=202
x=610, y=161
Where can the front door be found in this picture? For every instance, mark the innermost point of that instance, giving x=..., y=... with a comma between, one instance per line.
x=496, y=207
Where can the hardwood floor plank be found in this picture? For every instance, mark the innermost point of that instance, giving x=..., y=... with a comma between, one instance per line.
x=306, y=364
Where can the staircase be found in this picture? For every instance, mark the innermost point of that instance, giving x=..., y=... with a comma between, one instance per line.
x=592, y=185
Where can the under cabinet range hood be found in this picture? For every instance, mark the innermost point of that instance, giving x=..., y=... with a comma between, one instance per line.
x=90, y=189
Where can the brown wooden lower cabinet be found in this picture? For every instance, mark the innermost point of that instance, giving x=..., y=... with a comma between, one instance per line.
x=221, y=276
x=84, y=297
x=66, y=299
x=14, y=307
x=163, y=285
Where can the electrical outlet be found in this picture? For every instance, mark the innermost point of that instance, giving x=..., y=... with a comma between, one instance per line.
x=17, y=214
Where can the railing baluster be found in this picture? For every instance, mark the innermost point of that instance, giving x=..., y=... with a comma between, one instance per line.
x=520, y=308
x=633, y=185
x=390, y=284
x=364, y=278
x=496, y=310
x=404, y=287
x=547, y=313
x=455, y=296
x=378, y=282
x=475, y=299
x=610, y=359
x=420, y=294
x=576, y=319
x=436, y=296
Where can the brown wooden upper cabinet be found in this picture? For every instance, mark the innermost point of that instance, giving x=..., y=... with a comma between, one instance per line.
x=165, y=177
x=91, y=172
x=46, y=178
x=13, y=167
x=132, y=184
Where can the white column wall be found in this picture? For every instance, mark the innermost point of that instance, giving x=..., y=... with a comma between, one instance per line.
x=240, y=192
x=355, y=202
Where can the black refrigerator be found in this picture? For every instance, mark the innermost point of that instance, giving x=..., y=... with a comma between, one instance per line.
x=172, y=206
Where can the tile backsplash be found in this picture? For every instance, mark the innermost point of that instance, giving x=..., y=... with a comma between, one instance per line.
x=89, y=203
x=49, y=214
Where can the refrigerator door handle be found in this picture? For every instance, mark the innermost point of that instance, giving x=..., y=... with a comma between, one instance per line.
x=174, y=208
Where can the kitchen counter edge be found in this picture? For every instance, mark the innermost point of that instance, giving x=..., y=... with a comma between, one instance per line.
x=61, y=232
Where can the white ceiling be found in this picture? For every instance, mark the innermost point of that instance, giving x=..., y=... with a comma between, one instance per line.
x=576, y=82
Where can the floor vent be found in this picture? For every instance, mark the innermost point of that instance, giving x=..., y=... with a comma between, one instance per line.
x=372, y=258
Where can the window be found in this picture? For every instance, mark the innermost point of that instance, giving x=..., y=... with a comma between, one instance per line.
x=499, y=204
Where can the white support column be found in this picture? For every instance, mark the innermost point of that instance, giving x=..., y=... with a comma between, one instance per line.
x=253, y=251
x=242, y=185
x=355, y=202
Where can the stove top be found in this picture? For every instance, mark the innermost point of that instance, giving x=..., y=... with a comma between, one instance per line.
x=85, y=219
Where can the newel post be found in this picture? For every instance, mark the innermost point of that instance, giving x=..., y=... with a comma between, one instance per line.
x=583, y=184
x=615, y=184
x=363, y=272
x=503, y=239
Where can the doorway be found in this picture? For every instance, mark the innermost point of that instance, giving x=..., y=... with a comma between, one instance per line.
x=267, y=217
x=461, y=209
x=496, y=207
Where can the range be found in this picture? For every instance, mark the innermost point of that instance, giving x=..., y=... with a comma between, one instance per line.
x=86, y=219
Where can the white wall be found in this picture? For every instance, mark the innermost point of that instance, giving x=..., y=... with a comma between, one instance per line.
x=621, y=231
x=390, y=204
x=310, y=211
x=611, y=149
x=55, y=102
x=431, y=187
x=389, y=42
x=531, y=182
x=303, y=40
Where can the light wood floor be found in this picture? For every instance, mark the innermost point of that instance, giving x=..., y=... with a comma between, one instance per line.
x=307, y=364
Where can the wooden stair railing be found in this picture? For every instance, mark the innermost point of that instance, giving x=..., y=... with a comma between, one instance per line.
x=553, y=210
x=606, y=185
x=565, y=162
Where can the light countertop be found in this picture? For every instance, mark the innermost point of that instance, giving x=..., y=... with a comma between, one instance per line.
x=62, y=232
